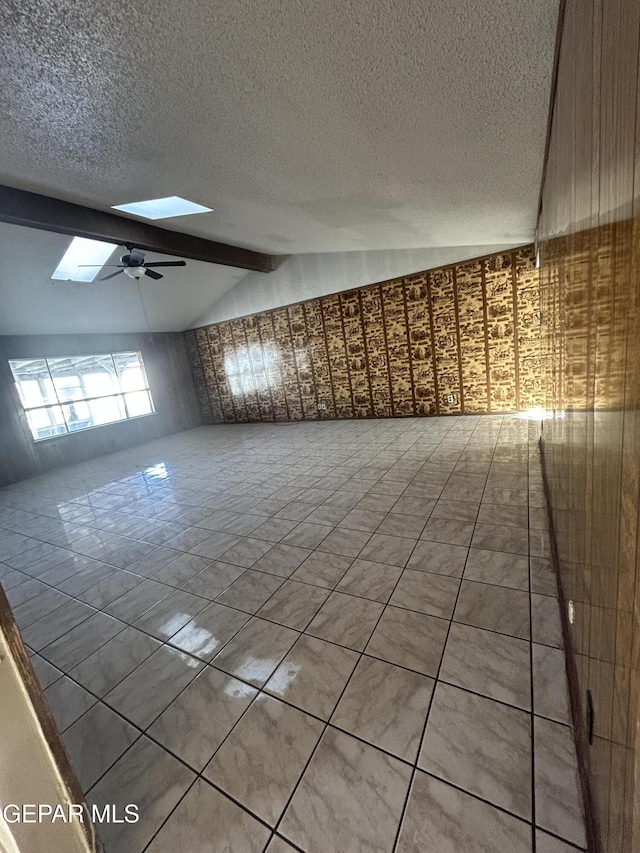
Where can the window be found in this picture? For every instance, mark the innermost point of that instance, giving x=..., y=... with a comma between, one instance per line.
x=63, y=395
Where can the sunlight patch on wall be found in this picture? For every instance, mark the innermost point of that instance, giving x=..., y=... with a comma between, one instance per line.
x=248, y=368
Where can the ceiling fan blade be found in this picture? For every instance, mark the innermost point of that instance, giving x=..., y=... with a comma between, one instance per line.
x=166, y=264
x=152, y=273
x=111, y=275
x=101, y=265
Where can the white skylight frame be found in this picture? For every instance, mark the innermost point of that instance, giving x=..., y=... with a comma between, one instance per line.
x=82, y=250
x=162, y=208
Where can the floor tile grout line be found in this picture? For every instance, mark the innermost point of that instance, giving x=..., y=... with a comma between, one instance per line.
x=384, y=603
x=361, y=655
x=210, y=662
x=426, y=721
x=156, y=546
x=167, y=641
x=165, y=544
x=300, y=777
x=181, y=588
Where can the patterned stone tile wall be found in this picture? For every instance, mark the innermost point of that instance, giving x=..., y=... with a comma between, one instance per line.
x=460, y=339
x=503, y=360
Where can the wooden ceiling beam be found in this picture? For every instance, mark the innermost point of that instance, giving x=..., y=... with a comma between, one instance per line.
x=33, y=210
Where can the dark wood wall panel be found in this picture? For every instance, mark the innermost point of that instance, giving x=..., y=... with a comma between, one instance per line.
x=394, y=312
x=319, y=357
x=302, y=360
x=377, y=353
x=498, y=279
x=272, y=359
x=337, y=353
x=210, y=343
x=420, y=343
x=590, y=292
x=259, y=369
x=356, y=354
x=245, y=369
x=235, y=369
x=398, y=348
x=445, y=332
x=530, y=362
x=472, y=336
x=283, y=336
x=199, y=380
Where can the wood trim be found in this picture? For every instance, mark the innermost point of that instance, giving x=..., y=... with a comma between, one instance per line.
x=35, y=695
x=32, y=210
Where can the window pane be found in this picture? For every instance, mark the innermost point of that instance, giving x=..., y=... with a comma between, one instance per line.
x=71, y=393
x=45, y=423
x=107, y=410
x=83, y=376
x=104, y=410
x=33, y=381
x=138, y=403
x=130, y=370
x=77, y=416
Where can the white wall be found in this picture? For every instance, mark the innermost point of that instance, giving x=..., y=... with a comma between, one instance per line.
x=303, y=277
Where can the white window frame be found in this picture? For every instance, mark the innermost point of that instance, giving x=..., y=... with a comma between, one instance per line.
x=60, y=404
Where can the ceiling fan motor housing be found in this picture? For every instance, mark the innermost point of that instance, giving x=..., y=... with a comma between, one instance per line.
x=135, y=258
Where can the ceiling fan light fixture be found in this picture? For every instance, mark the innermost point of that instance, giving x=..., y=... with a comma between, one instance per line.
x=134, y=272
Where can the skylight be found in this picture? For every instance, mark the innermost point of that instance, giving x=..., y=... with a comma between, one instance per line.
x=162, y=208
x=83, y=251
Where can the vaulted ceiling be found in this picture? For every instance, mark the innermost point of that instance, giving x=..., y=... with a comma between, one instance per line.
x=31, y=303
x=308, y=126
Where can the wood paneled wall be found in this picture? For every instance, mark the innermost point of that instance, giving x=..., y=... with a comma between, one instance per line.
x=461, y=339
x=590, y=254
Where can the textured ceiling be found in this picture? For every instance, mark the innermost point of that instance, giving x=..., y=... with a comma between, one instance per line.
x=31, y=304
x=309, y=126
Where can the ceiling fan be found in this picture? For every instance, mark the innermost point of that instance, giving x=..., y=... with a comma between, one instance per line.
x=133, y=265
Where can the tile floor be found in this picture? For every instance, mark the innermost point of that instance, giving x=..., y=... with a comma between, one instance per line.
x=321, y=637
